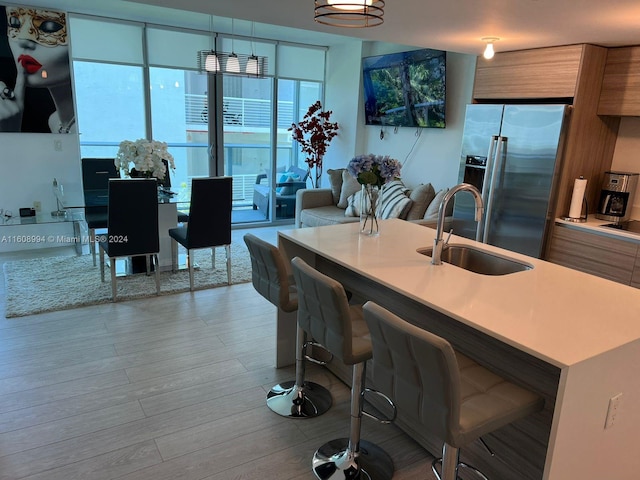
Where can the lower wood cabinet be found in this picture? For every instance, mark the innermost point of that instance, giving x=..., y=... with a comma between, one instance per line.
x=606, y=257
x=635, y=277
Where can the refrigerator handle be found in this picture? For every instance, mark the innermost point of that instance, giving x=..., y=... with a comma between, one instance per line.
x=487, y=180
x=488, y=208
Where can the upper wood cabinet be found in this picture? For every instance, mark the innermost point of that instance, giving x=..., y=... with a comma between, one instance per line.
x=529, y=74
x=620, y=93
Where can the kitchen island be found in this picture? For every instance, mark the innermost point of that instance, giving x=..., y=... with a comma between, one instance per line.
x=573, y=338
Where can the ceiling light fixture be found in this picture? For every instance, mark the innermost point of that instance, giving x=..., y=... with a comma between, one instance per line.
x=489, y=51
x=349, y=13
x=208, y=61
x=211, y=61
x=253, y=63
x=233, y=64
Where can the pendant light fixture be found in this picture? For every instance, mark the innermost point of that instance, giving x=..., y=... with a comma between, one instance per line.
x=233, y=63
x=489, y=51
x=208, y=61
x=212, y=61
x=349, y=13
x=253, y=67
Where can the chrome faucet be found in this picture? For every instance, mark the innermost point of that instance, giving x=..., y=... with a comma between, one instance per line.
x=439, y=242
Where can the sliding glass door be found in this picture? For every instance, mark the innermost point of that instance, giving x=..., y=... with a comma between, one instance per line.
x=247, y=129
x=137, y=82
x=179, y=116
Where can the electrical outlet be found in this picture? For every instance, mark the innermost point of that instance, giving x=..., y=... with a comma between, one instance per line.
x=613, y=410
x=37, y=206
x=57, y=145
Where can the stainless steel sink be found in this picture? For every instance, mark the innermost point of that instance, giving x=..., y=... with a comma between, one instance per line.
x=478, y=261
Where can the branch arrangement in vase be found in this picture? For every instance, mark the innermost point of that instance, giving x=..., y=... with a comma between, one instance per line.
x=314, y=134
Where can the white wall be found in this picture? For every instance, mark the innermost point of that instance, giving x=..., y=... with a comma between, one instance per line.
x=342, y=96
x=626, y=157
x=30, y=162
x=427, y=154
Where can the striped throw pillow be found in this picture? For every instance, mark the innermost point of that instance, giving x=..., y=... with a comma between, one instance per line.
x=395, y=202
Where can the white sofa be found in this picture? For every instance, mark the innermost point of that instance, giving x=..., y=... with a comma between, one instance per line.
x=326, y=206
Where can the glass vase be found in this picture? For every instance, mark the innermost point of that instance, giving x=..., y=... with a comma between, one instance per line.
x=370, y=201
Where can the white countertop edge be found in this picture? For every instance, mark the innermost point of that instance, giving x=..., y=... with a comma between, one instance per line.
x=595, y=225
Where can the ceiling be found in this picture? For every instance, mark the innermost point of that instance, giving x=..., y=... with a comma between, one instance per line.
x=456, y=26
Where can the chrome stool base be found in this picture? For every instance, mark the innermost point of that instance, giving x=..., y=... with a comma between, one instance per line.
x=288, y=400
x=334, y=460
x=436, y=467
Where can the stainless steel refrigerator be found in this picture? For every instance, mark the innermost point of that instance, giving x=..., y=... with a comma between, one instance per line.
x=512, y=154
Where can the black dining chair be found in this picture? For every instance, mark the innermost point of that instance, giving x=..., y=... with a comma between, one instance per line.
x=96, y=173
x=132, y=226
x=209, y=223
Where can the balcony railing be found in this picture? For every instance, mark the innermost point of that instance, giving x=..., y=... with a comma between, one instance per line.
x=241, y=112
x=242, y=191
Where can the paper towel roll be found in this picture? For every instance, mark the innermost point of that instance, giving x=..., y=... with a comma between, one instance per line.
x=579, y=187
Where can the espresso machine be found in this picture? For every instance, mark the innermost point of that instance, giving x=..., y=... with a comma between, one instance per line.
x=616, y=197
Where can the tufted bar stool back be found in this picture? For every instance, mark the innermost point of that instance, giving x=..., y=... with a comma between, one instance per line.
x=444, y=391
x=269, y=274
x=325, y=312
x=271, y=279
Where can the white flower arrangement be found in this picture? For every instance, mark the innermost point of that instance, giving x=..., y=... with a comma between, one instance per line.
x=146, y=157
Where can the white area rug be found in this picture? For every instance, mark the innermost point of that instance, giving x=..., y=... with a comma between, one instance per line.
x=59, y=283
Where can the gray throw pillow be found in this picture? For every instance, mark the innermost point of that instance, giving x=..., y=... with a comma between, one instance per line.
x=422, y=197
x=349, y=186
x=434, y=206
x=335, y=181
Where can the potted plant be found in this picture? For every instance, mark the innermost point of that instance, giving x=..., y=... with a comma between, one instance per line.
x=146, y=156
x=314, y=134
x=372, y=172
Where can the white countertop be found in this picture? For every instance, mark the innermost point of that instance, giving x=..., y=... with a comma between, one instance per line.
x=595, y=225
x=555, y=313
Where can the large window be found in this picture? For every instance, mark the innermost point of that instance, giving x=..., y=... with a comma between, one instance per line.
x=125, y=92
x=110, y=104
x=179, y=116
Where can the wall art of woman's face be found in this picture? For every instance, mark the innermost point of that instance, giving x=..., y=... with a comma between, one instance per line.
x=39, y=43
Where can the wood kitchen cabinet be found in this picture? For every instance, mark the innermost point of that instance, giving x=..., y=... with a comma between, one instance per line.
x=620, y=93
x=635, y=277
x=603, y=256
x=529, y=74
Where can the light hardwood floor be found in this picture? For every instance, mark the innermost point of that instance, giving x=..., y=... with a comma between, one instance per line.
x=171, y=387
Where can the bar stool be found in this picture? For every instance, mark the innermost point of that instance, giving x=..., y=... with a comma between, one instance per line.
x=298, y=398
x=324, y=311
x=441, y=389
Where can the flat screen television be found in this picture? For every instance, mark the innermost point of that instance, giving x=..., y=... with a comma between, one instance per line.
x=405, y=89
